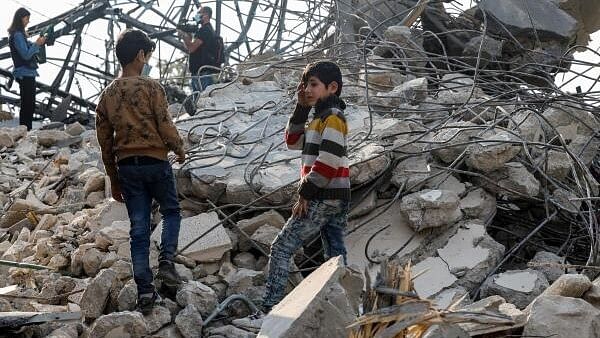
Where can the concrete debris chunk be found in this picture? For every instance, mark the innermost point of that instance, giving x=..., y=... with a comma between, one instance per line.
x=95, y=296
x=493, y=151
x=450, y=142
x=189, y=322
x=471, y=254
x=562, y=317
x=210, y=248
x=322, y=297
x=431, y=209
x=159, y=317
x=432, y=276
x=478, y=204
x=494, y=305
x=119, y=324
x=519, y=287
x=548, y=263
x=513, y=180
x=524, y=18
x=569, y=285
x=201, y=296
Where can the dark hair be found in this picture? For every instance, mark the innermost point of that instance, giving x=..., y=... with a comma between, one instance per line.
x=326, y=72
x=17, y=23
x=207, y=10
x=129, y=44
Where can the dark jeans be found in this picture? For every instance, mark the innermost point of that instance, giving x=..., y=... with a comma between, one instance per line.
x=329, y=217
x=139, y=185
x=203, y=80
x=27, y=91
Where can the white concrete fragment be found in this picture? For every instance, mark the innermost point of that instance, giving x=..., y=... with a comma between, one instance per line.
x=462, y=252
x=385, y=243
x=433, y=276
x=209, y=248
x=521, y=281
x=321, y=306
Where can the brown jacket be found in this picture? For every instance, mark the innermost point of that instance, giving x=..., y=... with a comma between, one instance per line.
x=132, y=119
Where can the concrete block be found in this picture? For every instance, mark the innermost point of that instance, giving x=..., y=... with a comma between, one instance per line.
x=321, y=306
x=209, y=248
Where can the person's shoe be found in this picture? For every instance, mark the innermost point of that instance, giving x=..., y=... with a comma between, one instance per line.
x=167, y=274
x=251, y=323
x=146, y=302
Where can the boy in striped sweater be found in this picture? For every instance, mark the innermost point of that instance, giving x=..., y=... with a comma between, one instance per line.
x=324, y=190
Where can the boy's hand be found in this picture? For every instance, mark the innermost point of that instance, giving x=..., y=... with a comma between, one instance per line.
x=300, y=209
x=302, y=101
x=115, y=189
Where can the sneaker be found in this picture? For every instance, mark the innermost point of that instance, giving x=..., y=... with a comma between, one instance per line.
x=146, y=302
x=167, y=274
x=251, y=323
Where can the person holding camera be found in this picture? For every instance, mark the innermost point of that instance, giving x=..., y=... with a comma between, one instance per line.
x=202, y=49
x=24, y=55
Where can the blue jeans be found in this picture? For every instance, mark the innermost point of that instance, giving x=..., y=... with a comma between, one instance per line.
x=199, y=83
x=139, y=185
x=329, y=217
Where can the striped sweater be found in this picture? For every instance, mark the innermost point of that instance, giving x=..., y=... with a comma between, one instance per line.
x=324, y=173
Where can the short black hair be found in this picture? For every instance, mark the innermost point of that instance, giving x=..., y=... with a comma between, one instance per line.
x=129, y=44
x=207, y=10
x=326, y=72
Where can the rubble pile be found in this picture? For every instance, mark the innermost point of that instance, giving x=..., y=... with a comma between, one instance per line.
x=469, y=163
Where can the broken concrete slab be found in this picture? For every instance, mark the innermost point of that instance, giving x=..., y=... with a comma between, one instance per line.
x=513, y=180
x=210, y=248
x=431, y=209
x=456, y=297
x=519, y=287
x=494, y=150
x=432, y=276
x=384, y=244
x=471, y=254
x=518, y=18
x=323, y=297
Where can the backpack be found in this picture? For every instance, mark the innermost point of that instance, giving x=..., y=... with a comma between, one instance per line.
x=219, y=52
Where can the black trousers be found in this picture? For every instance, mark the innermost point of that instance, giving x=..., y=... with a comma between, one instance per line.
x=27, y=87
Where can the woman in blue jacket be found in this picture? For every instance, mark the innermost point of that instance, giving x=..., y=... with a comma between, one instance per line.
x=24, y=55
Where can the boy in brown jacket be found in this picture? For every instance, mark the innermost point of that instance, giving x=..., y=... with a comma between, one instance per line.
x=135, y=132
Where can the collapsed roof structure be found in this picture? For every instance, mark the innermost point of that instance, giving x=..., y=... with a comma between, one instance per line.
x=470, y=161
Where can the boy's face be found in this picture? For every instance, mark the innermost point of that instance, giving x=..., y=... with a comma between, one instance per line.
x=314, y=90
